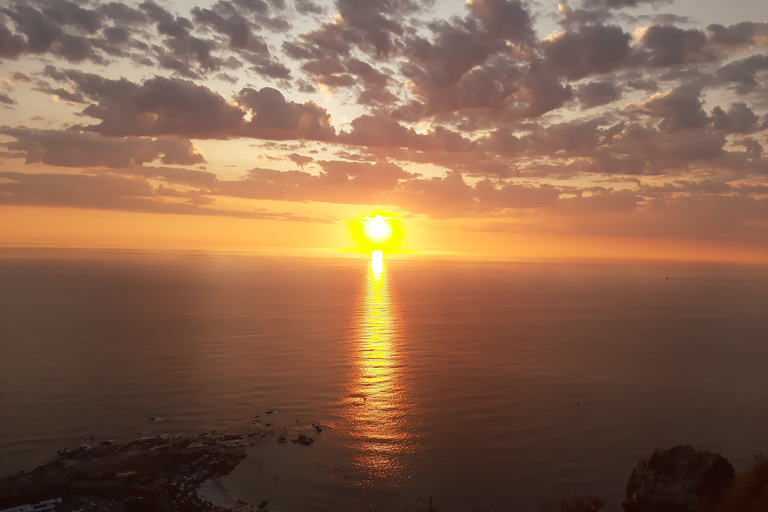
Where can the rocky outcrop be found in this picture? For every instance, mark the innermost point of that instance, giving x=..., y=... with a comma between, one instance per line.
x=681, y=479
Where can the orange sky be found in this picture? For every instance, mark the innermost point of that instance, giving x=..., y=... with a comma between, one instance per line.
x=71, y=227
x=511, y=129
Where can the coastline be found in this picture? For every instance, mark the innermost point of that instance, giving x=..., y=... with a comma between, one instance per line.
x=214, y=491
x=159, y=473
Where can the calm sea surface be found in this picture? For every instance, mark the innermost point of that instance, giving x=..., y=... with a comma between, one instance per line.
x=457, y=380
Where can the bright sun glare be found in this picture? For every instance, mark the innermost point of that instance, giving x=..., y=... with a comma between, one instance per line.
x=379, y=231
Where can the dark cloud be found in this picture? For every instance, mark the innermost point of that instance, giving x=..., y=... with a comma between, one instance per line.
x=272, y=117
x=157, y=106
x=155, y=12
x=574, y=17
x=439, y=197
x=382, y=132
x=330, y=72
x=595, y=94
x=692, y=145
x=171, y=106
x=75, y=149
x=382, y=176
x=739, y=119
x=307, y=7
x=601, y=200
x=372, y=21
x=179, y=66
x=512, y=195
x=751, y=145
x=570, y=139
x=11, y=45
x=504, y=19
x=668, y=45
x=117, y=34
x=739, y=34
x=43, y=31
x=273, y=69
x=76, y=49
x=107, y=191
x=742, y=72
x=593, y=49
x=4, y=98
x=665, y=19
x=680, y=108
x=235, y=26
x=642, y=84
x=620, y=4
x=483, y=87
x=69, y=13
x=59, y=92
x=457, y=48
x=40, y=31
x=543, y=91
x=186, y=177
x=120, y=12
x=77, y=190
x=339, y=182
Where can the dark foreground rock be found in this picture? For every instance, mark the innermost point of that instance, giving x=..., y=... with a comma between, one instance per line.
x=151, y=474
x=681, y=479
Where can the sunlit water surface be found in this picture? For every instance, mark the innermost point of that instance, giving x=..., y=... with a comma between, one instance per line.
x=490, y=385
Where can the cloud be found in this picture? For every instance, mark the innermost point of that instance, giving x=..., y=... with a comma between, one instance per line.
x=512, y=195
x=601, y=200
x=742, y=72
x=543, y=91
x=593, y=49
x=11, y=45
x=272, y=117
x=44, y=31
x=595, y=94
x=113, y=192
x=680, y=108
x=382, y=175
x=457, y=48
x=739, y=119
x=172, y=106
x=339, y=182
x=382, y=132
x=620, y=4
x=504, y=19
x=307, y=7
x=475, y=96
x=159, y=106
x=4, y=98
x=75, y=149
x=373, y=21
x=668, y=45
x=123, y=13
x=76, y=190
x=740, y=34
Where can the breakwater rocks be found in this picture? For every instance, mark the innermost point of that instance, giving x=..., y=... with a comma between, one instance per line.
x=151, y=474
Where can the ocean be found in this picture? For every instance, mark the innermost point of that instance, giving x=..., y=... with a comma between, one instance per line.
x=482, y=385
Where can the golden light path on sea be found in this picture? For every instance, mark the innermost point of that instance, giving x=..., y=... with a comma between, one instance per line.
x=377, y=409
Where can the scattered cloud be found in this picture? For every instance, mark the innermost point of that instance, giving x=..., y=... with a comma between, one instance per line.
x=628, y=114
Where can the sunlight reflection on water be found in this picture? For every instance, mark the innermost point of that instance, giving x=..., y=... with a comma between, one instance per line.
x=378, y=405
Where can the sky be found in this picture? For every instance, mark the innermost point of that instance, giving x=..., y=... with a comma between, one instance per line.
x=587, y=128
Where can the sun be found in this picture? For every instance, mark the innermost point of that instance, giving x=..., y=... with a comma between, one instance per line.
x=379, y=231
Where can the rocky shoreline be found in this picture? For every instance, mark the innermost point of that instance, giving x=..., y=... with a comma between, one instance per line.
x=164, y=473
x=181, y=473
